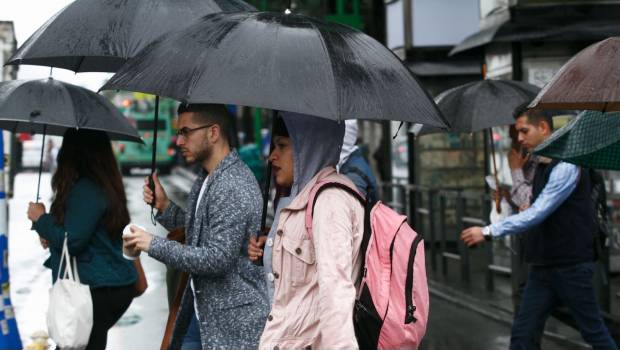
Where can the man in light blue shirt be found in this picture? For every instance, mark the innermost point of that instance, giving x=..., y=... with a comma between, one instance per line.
x=558, y=230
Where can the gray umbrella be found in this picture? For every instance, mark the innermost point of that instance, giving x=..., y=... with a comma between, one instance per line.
x=480, y=105
x=99, y=36
x=51, y=107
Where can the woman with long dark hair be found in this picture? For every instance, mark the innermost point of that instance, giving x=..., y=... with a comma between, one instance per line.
x=90, y=206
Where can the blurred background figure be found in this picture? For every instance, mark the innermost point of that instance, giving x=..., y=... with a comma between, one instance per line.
x=51, y=152
x=353, y=164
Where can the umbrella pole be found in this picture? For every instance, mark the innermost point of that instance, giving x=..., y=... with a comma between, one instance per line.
x=154, y=158
x=41, y=163
x=263, y=220
x=498, y=198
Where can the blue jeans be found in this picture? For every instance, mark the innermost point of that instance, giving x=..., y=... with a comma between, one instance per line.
x=191, y=341
x=546, y=288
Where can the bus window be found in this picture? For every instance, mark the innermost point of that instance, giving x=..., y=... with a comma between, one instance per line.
x=147, y=125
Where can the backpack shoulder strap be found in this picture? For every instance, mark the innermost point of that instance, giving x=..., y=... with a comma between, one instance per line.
x=316, y=191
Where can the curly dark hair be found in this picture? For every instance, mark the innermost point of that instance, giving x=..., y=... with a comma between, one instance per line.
x=88, y=153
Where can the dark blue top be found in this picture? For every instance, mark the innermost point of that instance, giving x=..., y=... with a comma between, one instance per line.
x=100, y=258
x=357, y=169
x=567, y=235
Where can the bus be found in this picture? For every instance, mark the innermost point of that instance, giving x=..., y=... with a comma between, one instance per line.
x=140, y=109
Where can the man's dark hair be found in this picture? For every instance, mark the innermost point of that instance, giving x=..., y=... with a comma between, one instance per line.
x=210, y=113
x=534, y=116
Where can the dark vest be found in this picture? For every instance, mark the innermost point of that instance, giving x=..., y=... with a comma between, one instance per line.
x=567, y=235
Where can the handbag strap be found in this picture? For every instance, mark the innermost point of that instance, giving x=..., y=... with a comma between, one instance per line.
x=70, y=272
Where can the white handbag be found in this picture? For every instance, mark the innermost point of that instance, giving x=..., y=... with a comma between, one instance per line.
x=70, y=313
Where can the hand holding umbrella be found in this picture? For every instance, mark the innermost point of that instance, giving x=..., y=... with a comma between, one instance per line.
x=156, y=195
x=35, y=210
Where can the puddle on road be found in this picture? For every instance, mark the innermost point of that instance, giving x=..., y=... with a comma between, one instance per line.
x=128, y=320
x=24, y=290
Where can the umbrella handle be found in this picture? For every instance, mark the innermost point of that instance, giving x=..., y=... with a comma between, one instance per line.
x=40, y=168
x=498, y=198
x=154, y=159
x=152, y=188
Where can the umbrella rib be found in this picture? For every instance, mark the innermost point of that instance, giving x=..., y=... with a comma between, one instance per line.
x=77, y=122
x=331, y=66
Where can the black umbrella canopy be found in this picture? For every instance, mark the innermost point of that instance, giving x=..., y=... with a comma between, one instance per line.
x=481, y=105
x=53, y=106
x=282, y=62
x=100, y=35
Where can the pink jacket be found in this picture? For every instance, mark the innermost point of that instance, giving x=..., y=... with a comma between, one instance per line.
x=314, y=279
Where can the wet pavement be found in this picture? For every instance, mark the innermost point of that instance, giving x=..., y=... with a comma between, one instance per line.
x=453, y=327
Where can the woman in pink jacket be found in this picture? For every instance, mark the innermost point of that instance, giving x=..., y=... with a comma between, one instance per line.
x=311, y=278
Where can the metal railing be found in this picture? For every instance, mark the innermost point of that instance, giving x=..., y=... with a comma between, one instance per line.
x=441, y=214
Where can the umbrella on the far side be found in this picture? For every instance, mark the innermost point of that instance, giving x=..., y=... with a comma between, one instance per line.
x=282, y=62
x=589, y=80
x=591, y=140
x=480, y=105
x=50, y=107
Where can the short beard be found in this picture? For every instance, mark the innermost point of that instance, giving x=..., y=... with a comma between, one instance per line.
x=204, y=154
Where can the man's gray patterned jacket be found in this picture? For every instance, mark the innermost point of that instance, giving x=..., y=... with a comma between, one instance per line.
x=230, y=291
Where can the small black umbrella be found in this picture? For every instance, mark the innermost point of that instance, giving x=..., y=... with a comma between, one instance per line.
x=282, y=62
x=50, y=107
x=99, y=36
x=481, y=105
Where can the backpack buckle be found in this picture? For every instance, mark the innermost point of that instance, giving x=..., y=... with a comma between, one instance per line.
x=410, y=317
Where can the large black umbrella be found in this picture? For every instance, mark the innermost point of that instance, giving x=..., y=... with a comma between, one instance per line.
x=50, y=107
x=282, y=62
x=99, y=36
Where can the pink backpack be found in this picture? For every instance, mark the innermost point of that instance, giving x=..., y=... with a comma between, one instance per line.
x=391, y=309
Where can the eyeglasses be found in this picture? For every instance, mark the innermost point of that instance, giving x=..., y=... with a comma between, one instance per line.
x=185, y=131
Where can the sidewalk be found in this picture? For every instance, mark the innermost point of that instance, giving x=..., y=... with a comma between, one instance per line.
x=496, y=304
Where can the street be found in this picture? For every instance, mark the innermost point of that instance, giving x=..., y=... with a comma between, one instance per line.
x=453, y=327
x=141, y=328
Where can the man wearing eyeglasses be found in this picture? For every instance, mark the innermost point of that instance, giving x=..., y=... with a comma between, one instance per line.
x=225, y=304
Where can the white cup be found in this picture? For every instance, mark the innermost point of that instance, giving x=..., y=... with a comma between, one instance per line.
x=127, y=254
